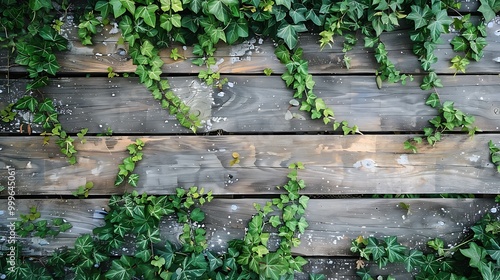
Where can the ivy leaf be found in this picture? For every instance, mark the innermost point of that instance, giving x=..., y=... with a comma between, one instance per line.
x=147, y=49
x=439, y=25
x=47, y=106
x=121, y=269
x=217, y=8
x=236, y=29
x=286, y=3
x=475, y=253
x=26, y=102
x=459, y=43
x=282, y=54
x=216, y=34
x=51, y=66
x=196, y=5
x=298, y=15
x=413, y=260
x=154, y=74
x=36, y=5
x=84, y=244
x=395, y=251
x=288, y=33
x=103, y=7
x=129, y=5
x=118, y=8
x=377, y=250
x=272, y=266
x=147, y=13
x=197, y=215
x=488, y=8
x=302, y=224
x=419, y=16
x=133, y=179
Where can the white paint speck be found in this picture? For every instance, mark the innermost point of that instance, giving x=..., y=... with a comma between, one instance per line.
x=474, y=158
x=403, y=159
x=366, y=163
x=234, y=207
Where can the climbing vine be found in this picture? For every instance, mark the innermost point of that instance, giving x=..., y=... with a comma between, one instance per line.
x=133, y=221
x=475, y=257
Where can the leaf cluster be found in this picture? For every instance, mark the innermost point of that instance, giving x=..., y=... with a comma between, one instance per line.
x=494, y=154
x=126, y=168
x=132, y=229
x=149, y=64
x=297, y=77
x=449, y=118
x=284, y=215
x=471, y=40
x=474, y=258
x=38, y=53
x=30, y=225
x=88, y=27
x=83, y=191
x=6, y=114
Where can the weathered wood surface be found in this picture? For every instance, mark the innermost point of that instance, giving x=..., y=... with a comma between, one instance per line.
x=254, y=55
x=257, y=104
x=333, y=224
x=367, y=164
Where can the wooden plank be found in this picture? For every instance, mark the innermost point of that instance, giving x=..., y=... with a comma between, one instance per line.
x=254, y=55
x=257, y=104
x=333, y=224
x=367, y=164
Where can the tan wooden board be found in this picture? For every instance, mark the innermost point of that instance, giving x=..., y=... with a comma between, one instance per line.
x=255, y=105
x=366, y=164
x=255, y=54
x=333, y=223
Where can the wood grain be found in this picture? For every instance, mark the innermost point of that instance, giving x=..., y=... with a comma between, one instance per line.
x=367, y=164
x=254, y=55
x=258, y=104
x=333, y=224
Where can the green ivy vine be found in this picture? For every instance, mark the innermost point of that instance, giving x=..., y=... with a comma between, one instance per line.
x=475, y=257
x=133, y=221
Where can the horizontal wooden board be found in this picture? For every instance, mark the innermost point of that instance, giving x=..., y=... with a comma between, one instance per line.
x=251, y=104
x=333, y=224
x=366, y=164
x=256, y=54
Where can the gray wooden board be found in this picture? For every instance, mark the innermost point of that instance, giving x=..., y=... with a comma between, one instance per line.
x=254, y=55
x=366, y=164
x=333, y=224
x=250, y=104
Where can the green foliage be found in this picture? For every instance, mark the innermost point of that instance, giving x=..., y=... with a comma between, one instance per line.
x=31, y=226
x=83, y=191
x=494, y=154
x=298, y=78
x=112, y=73
x=489, y=8
x=449, y=119
x=133, y=223
x=471, y=40
x=88, y=27
x=6, y=114
x=476, y=257
x=174, y=54
x=108, y=132
x=126, y=168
